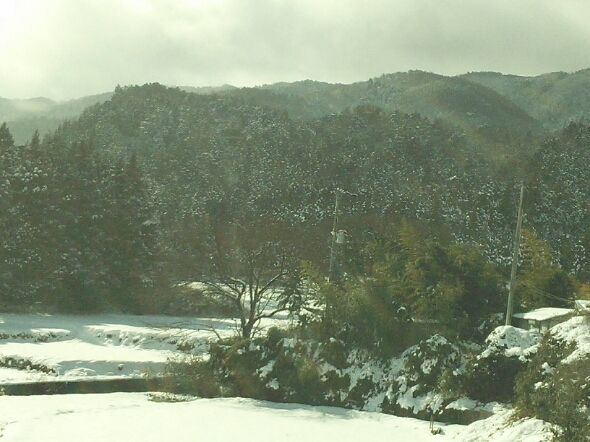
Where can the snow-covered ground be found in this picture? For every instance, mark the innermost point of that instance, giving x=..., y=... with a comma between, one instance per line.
x=133, y=417
x=64, y=347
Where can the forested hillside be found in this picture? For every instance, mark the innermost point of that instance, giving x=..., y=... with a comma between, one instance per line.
x=42, y=114
x=554, y=99
x=158, y=186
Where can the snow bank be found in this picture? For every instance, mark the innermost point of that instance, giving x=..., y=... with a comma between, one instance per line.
x=502, y=427
x=463, y=404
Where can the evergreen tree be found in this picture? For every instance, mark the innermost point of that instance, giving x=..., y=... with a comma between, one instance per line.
x=130, y=236
x=35, y=144
x=6, y=140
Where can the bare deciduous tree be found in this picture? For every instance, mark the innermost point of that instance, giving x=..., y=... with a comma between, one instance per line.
x=253, y=265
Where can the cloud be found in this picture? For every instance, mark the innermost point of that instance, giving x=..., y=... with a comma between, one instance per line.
x=69, y=48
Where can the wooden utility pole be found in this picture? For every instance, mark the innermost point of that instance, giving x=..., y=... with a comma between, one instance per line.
x=515, y=254
x=334, y=234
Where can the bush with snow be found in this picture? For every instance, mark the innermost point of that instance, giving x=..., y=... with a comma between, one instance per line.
x=555, y=386
x=283, y=367
x=491, y=374
x=541, y=378
x=430, y=376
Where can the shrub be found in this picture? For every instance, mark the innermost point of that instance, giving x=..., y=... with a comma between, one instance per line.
x=570, y=395
x=430, y=375
x=188, y=300
x=491, y=374
x=192, y=376
x=557, y=390
x=531, y=397
x=236, y=362
x=492, y=378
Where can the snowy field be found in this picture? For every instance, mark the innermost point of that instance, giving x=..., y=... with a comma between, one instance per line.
x=120, y=346
x=63, y=347
x=133, y=417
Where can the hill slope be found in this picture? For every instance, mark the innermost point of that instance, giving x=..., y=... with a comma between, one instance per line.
x=42, y=114
x=553, y=99
x=225, y=152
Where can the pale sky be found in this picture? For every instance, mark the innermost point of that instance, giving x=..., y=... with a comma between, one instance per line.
x=65, y=49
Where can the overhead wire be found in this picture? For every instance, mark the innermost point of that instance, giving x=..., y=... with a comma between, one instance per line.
x=545, y=294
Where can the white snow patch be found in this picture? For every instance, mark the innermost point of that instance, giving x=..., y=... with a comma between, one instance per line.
x=264, y=371
x=289, y=342
x=512, y=341
x=501, y=428
x=545, y=313
x=575, y=330
x=462, y=404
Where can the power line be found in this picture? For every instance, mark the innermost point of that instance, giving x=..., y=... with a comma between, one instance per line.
x=545, y=294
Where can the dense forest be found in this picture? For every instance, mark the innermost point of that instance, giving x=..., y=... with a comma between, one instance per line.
x=159, y=186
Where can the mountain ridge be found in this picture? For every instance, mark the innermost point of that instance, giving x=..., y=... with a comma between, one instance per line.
x=521, y=104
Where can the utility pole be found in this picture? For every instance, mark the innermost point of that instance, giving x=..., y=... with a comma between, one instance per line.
x=515, y=254
x=334, y=234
